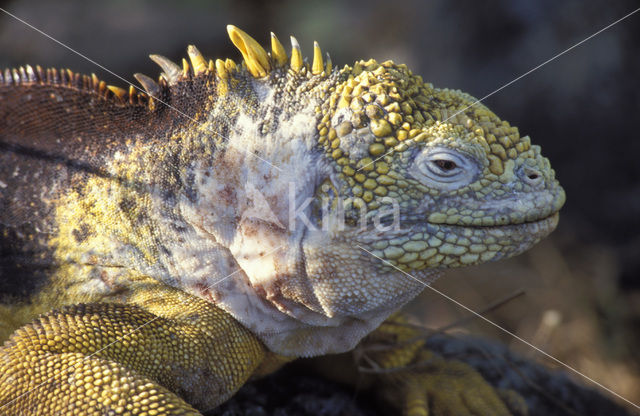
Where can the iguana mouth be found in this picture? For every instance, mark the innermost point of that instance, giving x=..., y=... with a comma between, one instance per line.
x=386, y=221
x=420, y=244
x=545, y=225
x=552, y=217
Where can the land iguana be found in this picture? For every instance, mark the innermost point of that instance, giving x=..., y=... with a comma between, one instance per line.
x=160, y=248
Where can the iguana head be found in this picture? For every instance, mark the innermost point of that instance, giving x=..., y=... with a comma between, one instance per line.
x=337, y=181
x=439, y=178
x=427, y=179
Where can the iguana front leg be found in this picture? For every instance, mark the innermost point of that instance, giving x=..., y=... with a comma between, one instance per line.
x=421, y=382
x=101, y=358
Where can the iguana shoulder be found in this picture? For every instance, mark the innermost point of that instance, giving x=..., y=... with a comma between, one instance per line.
x=290, y=197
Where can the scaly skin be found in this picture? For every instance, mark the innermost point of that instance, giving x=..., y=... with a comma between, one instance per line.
x=268, y=215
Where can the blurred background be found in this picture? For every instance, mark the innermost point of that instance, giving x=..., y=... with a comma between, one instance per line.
x=581, y=287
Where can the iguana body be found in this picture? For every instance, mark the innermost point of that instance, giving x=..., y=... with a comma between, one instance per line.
x=269, y=213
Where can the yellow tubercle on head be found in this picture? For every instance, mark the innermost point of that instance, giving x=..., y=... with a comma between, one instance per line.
x=400, y=110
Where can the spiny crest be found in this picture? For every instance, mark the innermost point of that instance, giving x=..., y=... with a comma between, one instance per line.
x=258, y=62
x=28, y=75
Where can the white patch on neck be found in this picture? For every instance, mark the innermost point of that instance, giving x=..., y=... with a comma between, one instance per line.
x=243, y=254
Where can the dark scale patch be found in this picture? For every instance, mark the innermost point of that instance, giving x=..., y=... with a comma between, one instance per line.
x=223, y=132
x=167, y=175
x=142, y=218
x=189, y=188
x=81, y=233
x=164, y=250
x=25, y=262
x=127, y=205
x=168, y=196
x=179, y=228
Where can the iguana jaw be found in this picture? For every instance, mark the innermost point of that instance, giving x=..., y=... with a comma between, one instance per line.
x=426, y=245
x=436, y=240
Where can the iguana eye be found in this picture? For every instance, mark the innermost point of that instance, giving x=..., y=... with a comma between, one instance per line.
x=444, y=168
x=444, y=165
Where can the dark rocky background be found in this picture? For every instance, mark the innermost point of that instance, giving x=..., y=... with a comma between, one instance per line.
x=582, y=286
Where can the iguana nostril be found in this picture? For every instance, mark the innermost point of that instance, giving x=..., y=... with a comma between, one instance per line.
x=531, y=176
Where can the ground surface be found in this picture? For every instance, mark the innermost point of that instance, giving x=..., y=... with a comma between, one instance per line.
x=293, y=392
